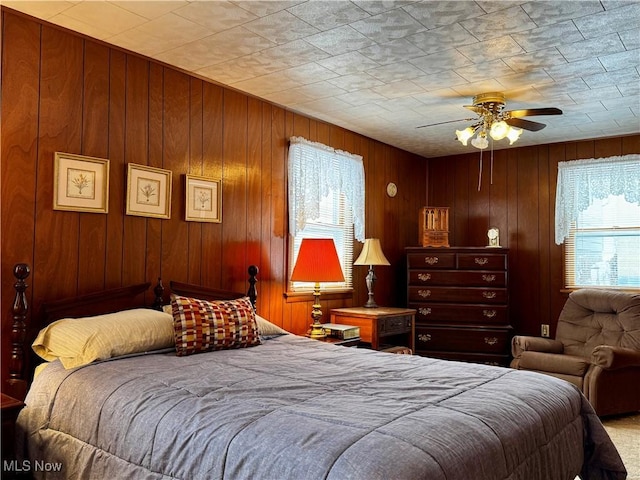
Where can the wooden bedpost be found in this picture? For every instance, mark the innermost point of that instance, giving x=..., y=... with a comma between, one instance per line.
x=158, y=292
x=17, y=384
x=252, y=293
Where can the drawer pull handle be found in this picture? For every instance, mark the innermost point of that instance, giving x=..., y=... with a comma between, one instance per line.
x=489, y=278
x=489, y=294
x=431, y=260
x=424, y=311
x=424, y=276
x=481, y=260
x=424, y=337
x=489, y=313
x=490, y=340
x=424, y=293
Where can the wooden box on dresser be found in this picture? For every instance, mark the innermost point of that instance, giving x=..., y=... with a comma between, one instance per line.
x=462, y=302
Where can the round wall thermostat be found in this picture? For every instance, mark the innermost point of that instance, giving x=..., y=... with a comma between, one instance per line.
x=392, y=189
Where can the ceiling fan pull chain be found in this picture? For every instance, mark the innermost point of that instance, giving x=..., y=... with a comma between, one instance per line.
x=491, y=167
x=480, y=172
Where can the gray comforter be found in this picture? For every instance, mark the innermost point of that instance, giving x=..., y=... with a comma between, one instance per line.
x=295, y=408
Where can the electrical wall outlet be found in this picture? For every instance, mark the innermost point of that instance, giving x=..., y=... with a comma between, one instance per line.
x=544, y=331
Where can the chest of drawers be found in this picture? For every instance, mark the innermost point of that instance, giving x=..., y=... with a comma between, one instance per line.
x=461, y=299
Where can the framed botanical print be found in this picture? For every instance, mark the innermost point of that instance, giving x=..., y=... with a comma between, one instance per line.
x=81, y=183
x=148, y=191
x=203, y=199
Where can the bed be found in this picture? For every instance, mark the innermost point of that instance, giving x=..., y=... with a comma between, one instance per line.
x=281, y=406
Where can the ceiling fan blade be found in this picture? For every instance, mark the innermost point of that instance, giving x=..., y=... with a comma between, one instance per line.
x=526, y=124
x=448, y=121
x=475, y=108
x=529, y=112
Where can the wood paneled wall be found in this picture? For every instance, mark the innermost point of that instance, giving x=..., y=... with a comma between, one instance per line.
x=62, y=92
x=521, y=203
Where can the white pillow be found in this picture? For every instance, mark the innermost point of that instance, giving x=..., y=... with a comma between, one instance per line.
x=266, y=328
x=79, y=341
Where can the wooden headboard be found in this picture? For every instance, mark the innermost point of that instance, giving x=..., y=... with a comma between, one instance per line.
x=96, y=303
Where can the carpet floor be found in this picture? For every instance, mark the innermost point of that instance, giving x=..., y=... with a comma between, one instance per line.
x=625, y=434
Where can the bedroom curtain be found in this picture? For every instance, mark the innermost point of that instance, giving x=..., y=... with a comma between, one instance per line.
x=580, y=182
x=314, y=171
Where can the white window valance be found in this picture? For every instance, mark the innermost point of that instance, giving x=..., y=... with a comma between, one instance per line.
x=314, y=171
x=582, y=181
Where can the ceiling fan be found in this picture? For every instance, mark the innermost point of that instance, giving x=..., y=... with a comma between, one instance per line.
x=493, y=120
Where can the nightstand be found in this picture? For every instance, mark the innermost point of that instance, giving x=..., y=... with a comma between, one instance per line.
x=381, y=326
x=10, y=409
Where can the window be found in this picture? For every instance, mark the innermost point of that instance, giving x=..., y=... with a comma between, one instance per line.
x=603, y=248
x=598, y=220
x=326, y=200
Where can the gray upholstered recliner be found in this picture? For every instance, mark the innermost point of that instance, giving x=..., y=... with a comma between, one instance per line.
x=597, y=348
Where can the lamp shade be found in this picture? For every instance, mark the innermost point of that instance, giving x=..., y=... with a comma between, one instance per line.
x=371, y=253
x=317, y=262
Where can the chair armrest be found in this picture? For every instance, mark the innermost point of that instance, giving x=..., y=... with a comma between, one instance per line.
x=523, y=343
x=612, y=358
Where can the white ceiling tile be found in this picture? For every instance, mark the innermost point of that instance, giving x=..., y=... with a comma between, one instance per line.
x=327, y=14
x=392, y=52
x=610, y=21
x=620, y=114
x=497, y=24
x=374, y=7
x=227, y=15
x=596, y=94
x=360, y=97
x=82, y=27
x=592, y=47
x=631, y=89
x=347, y=63
x=339, y=40
x=108, y=16
x=492, y=49
x=630, y=39
x=395, y=72
x=281, y=27
x=550, y=12
x=532, y=78
x=441, y=13
x=260, y=8
x=151, y=9
x=167, y=32
x=445, y=60
x=580, y=68
x=356, y=81
x=398, y=89
x=484, y=71
x=392, y=25
x=527, y=62
x=616, y=77
x=617, y=61
x=548, y=36
x=435, y=81
x=42, y=9
x=442, y=38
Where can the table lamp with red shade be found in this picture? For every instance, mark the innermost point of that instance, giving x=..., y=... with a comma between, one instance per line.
x=317, y=262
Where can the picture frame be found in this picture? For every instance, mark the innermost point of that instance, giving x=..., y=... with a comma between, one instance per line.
x=203, y=202
x=81, y=183
x=148, y=191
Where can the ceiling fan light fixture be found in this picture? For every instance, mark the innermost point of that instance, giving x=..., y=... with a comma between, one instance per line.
x=464, y=135
x=513, y=134
x=480, y=141
x=499, y=130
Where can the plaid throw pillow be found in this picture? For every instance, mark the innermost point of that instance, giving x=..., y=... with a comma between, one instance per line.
x=202, y=326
